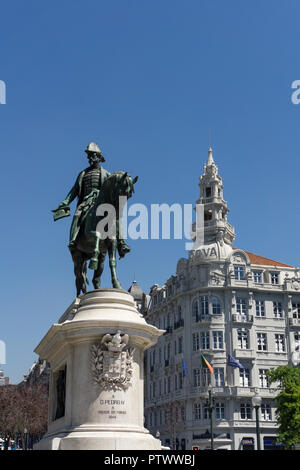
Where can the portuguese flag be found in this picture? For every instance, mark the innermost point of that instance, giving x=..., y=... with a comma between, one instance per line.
x=206, y=364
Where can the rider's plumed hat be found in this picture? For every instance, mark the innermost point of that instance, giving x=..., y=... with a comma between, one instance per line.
x=93, y=148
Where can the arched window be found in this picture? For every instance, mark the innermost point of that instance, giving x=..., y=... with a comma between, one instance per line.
x=216, y=306
x=204, y=306
x=195, y=310
x=179, y=313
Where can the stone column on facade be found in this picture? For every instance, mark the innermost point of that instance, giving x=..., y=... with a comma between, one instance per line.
x=288, y=308
x=250, y=304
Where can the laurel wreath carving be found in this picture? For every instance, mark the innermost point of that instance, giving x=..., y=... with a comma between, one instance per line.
x=96, y=362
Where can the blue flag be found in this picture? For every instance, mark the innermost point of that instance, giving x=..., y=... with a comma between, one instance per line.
x=184, y=368
x=233, y=362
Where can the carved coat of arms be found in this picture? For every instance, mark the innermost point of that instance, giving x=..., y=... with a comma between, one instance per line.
x=111, y=362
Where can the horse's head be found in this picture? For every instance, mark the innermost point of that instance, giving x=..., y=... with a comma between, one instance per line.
x=125, y=184
x=118, y=184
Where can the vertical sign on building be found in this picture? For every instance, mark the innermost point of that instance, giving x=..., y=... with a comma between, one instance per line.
x=2, y=352
x=2, y=92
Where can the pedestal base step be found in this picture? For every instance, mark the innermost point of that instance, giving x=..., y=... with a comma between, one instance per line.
x=99, y=441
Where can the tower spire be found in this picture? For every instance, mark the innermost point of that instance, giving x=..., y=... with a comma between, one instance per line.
x=216, y=227
x=210, y=160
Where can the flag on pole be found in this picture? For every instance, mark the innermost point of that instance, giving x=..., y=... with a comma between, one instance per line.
x=184, y=368
x=206, y=364
x=233, y=362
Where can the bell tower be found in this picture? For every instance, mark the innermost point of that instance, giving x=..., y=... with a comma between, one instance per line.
x=216, y=226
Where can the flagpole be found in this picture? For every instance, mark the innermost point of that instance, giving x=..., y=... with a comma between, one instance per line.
x=211, y=407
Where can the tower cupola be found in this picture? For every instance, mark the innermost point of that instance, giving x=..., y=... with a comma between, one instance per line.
x=216, y=226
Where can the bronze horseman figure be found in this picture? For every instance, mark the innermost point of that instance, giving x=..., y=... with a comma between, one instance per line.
x=95, y=186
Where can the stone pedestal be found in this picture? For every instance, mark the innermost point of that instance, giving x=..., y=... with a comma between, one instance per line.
x=96, y=353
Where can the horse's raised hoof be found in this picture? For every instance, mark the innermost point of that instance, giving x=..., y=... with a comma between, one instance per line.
x=123, y=250
x=93, y=264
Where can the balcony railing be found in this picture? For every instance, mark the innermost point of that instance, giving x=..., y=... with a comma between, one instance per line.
x=179, y=324
x=294, y=322
x=244, y=353
x=203, y=318
x=242, y=318
x=242, y=391
x=169, y=330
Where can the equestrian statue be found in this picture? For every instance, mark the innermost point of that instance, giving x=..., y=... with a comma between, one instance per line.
x=97, y=226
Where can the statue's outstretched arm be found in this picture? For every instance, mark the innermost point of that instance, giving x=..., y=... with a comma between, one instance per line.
x=73, y=193
x=64, y=205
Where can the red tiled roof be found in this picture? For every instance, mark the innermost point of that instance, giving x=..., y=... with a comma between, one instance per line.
x=261, y=260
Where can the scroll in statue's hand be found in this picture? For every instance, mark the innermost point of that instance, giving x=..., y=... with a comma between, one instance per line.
x=62, y=210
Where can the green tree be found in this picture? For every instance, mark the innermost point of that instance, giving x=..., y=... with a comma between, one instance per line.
x=287, y=403
x=23, y=407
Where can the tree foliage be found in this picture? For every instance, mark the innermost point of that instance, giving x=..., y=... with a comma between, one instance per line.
x=175, y=420
x=23, y=408
x=287, y=403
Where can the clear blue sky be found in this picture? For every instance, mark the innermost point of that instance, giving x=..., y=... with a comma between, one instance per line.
x=146, y=80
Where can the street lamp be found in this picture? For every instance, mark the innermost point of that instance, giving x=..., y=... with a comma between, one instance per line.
x=256, y=401
x=25, y=438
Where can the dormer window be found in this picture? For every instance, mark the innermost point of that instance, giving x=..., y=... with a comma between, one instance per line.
x=257, y=277
x=239, y=272
x=274, y=278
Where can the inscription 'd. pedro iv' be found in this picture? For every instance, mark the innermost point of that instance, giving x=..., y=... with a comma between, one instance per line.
x=112, y=413
x=112, y=402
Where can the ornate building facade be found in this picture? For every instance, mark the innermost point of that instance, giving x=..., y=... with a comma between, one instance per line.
x=223, y=300
x=3, y=380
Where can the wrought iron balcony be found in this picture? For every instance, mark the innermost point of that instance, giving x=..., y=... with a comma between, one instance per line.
x=169, y=330
x=242, y=318
x=294, y=322
x=179, y=324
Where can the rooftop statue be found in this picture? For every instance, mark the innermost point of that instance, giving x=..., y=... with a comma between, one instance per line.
x=93, y=187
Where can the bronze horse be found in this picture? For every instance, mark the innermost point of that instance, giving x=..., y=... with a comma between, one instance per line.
x=90, y=243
